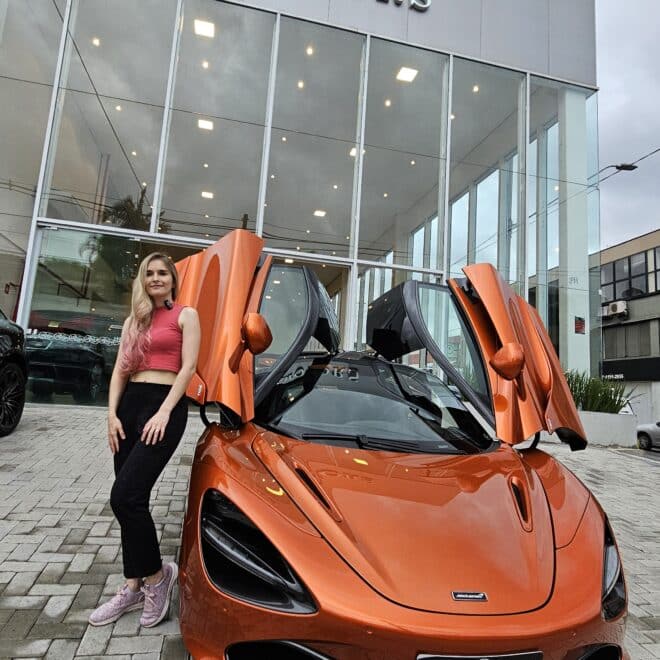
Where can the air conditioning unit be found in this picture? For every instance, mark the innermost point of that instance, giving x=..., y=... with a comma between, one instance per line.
x=616, y=308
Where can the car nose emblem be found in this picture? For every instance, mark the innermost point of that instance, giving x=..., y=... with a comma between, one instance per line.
x=479, y=596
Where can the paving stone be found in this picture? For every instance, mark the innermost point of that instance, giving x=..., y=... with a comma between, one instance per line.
x=54, y=589
x=141, y=644
x=81, y=562
x=62, y=649
x=22, y=602
x=19, y=624
x=20, y=584
x=95, y=640
x=173, y=648
x=56, y=608
x=58, y=630
x=23, y=649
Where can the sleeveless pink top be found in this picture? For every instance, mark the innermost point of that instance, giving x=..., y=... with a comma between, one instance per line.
x=166, y=340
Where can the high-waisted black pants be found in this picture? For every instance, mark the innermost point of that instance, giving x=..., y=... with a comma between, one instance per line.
x=137, y=466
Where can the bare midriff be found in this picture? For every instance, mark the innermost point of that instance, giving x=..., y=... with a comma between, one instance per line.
x=156, y=376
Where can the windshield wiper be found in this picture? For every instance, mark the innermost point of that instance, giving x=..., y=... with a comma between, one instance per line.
x=453, y=435
x=370, y=442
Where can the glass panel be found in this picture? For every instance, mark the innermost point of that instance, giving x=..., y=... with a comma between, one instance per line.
x=311, y=168
x=532, y=182
x=657, y=281
x=403, y=147
x=217, y=125
x=81, y=297
x=484, y=142
x=622, y=289
x=459, y=235
x=620, y=350
x=552, y=195
x=638, y=264
x=29, y=38
x=621, y=268
x=638, y=286
x=106, y=144
x=607, y=292
x=417, y=248
x=553, y=313
x=657, y=258
x=486, y=225
x=607, y=273
x=609, y=343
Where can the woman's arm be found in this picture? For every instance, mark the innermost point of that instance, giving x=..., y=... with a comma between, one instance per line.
x=117, y=385
x=189, y=322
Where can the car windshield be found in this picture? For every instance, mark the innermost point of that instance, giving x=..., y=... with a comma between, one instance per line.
x=371, y=402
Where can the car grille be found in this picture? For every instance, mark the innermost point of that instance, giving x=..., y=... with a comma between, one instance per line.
x=533, y=655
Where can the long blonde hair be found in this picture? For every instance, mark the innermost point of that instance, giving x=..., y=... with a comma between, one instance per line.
x=137, y=338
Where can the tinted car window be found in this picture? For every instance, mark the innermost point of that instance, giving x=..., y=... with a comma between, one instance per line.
x=371, y=398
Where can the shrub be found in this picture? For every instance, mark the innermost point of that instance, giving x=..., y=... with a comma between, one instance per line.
x=595, y=394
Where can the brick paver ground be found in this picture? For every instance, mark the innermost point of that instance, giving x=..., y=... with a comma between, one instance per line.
x=59, y=542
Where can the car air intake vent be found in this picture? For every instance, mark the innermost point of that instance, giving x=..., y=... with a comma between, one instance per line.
x=606, y=652
x=522, y=501
x=533, y=655
x=313, y=487
x=273, y=651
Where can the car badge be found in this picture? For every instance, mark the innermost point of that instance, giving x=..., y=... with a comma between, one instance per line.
x=479, y=596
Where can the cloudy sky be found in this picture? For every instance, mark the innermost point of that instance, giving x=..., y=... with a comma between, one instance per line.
x=629, y=116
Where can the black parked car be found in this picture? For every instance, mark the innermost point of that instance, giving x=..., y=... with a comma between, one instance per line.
x=13, y=374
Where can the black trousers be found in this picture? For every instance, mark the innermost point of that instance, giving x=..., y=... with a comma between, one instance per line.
x=137, y=467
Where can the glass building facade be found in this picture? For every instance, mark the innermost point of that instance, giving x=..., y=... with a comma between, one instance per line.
x=162, y=125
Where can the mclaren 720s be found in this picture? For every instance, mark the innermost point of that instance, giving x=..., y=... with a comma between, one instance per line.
x=349, y=505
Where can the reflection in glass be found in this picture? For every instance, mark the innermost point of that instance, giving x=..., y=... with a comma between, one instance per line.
x=312, y=149
x=404, y=151
x=485, y=249
x=459, y=211
x=81, y=297
x=214, y=152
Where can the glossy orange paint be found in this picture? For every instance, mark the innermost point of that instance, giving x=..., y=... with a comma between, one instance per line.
x=355, y=619
x=220, y=283
x=534, y=397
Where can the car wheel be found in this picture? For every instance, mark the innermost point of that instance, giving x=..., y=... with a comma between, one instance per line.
x=91, y=393
x=12, y=397
x=644, y=441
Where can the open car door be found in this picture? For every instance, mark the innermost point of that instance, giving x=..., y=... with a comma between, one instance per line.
x=490, y=343
x=248, y=306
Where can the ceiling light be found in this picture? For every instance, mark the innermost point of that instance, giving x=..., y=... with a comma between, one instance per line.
x=96, y=41
x=284, y=138
x=301, y=84
x=406, y=74
x=319, y=213
x=452, y=116
x=322, y=265
x=385, y=194
x=348, y=238
x=352, y=152
x=288, y=261
x=118, y=108
x=412, y=162
x=207, y=195
x=144, y=184
x=205, y=64
x=133, y=153
x=204, y=28
x=335, y=186
x=307, y=231
x=206, y=164
x=272, y=176
x=206, y=124
x=333, y=252
x=207, y=235
x=206, y=215
x=276, y=281
x=388, y=103
x=297, y=247
x=475, y=89
x=268, y=297
x=310, y=50
x=556, y=188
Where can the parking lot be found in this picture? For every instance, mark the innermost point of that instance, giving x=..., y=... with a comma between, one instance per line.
x=60, y=543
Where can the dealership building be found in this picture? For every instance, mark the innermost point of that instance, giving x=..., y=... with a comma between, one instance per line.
x=374, y=140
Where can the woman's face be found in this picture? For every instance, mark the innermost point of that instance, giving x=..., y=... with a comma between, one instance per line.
x=158, y=281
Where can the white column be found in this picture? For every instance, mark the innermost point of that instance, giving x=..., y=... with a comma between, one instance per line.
x=573, y=232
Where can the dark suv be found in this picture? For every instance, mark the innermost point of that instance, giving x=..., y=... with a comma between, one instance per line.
x=13, y=374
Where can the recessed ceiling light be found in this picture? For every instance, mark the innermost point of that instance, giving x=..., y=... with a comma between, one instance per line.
x=297, y=247
x=207, y=235
x=207, y=195
x=335, y=186
x=206, y=164
x=319, y=213
x=301, y=84
x=276, y=281
x=348, y=238
x=385, y=195
x=452, y=116
x=133, y=153
x=307, y=231
x=322, y=265
x=406, y=74
x=284, y=138
x=388, y=103
x=310, y=50
x=412, y=162
x=556, y=188
x=96, y=41
x=352, y=152
x=205, y=124
x=118, y=108
x=288, y=261
x=204, y=28
x=206, y=215
x=205, y=64
x=333, y=252
x=272, y=176
x=268, y=297
x=144, y=184
x=475, y=89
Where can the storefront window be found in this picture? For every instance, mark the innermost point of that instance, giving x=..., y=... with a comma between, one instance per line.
x=110, y=108
x=29, y=39
x=81, y=297
x=213, y=168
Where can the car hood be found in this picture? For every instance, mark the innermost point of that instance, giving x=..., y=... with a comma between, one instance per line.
x=425, y=529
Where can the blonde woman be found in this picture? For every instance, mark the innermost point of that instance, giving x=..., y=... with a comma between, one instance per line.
x=146, y=419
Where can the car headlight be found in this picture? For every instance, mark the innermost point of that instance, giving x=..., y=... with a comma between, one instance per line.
x=241, y=561
x=614, y=589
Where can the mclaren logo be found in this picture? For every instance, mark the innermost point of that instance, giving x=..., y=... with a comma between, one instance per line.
x=469, y=595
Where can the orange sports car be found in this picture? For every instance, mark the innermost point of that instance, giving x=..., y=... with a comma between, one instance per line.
x=347, y=505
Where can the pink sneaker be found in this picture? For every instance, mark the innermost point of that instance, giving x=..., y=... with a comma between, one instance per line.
x=157, y=597
x=124, y=601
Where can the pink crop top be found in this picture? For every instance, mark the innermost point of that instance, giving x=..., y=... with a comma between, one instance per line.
x=166, y=339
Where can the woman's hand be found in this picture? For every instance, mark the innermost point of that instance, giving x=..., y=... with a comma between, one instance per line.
x=154, y=429
x=115, y=433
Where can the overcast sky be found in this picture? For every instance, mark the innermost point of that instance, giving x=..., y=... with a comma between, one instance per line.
x=628, y=50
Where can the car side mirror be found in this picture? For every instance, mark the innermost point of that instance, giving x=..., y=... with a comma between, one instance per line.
x=255, y=333
x=508, y=361
x=657, y=423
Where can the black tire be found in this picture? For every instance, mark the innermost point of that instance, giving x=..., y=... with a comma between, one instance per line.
x=644, y=441
x=91, y=392
x=12, y=397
